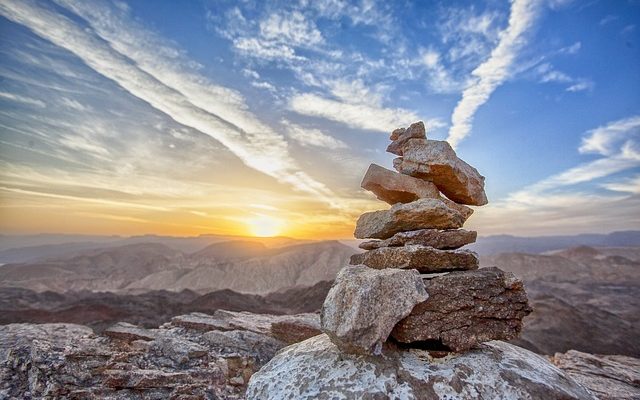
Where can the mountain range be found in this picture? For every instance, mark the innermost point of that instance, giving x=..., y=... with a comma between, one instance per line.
x=584, y=298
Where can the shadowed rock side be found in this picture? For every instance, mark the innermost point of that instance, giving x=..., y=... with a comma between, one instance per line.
x=467, y=308
x=195, y=356
x=316, y=368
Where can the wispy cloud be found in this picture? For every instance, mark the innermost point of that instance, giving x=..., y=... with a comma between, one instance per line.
x=312, y=137
x=555, y=201
x=22, y=99
x=158, y=77
x=493, y=72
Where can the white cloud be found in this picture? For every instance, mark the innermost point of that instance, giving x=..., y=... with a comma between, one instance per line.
x=157, y=78
x=629, y=185
x=439, y=79
x=553, y=199
x=603, y=140
x=580, y=86
x=573, y=49
x=493, y=72
x=22, y=99
x=359, y=116
x=312, y=137
x=293, y=28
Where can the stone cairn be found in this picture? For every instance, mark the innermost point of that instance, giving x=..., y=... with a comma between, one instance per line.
x=414, y=284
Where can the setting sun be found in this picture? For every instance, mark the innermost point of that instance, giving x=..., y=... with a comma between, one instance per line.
x=264, y=226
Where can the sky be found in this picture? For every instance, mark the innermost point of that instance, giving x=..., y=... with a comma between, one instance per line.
x=261, y=117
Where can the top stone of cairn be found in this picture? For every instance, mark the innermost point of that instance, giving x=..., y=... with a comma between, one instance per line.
x=437, y=162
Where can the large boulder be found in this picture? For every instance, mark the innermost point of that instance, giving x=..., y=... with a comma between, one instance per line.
x=420, y=214
x=438, y=239
x=365, y=304
x=425, y=259
x=437, y=162
x=317, y=369
x=466, y=308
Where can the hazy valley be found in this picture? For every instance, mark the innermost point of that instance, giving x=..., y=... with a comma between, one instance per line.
x=584, y=298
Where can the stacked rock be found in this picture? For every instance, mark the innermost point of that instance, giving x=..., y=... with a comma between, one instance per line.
x=414, y=283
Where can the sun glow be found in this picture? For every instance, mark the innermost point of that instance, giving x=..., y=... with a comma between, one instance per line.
x=265, y=226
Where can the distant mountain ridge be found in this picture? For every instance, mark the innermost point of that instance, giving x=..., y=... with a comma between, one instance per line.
x=243, y=266
x=487, y=245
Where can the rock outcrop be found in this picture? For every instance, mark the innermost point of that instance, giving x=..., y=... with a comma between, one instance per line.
x=196, y=356
x=317, y=368
x=609, y=377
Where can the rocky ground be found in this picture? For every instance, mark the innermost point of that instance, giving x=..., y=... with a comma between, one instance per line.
x=195, y=356
x=200, y=356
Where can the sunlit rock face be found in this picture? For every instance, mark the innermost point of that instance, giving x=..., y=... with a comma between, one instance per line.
x=316, y=368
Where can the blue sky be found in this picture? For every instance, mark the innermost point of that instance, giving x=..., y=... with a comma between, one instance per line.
x=194, y=116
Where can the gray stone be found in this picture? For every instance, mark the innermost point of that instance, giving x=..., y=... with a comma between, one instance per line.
x=365, y=304
x=420, y=214
x=466, y=308
x=317, y=369
x=129, y=332
x=439, y=239
x=425, y=259
x=436, y=161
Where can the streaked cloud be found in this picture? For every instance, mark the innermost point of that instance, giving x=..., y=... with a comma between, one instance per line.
x=493, y=72
x=312, y=137
x=187, y=98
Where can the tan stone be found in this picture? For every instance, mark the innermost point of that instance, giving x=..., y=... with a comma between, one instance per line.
x=393, y=187
x=436, y=161
x=425, y=259
x=420, y=214
x=439, y=239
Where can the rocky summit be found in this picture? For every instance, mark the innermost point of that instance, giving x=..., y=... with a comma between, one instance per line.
x=413, y=317
x=318, y=369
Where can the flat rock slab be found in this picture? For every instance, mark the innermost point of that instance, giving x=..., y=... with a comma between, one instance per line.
x=365, y=304
x=438, y=239
x=393, y=187
x=317, y=369
x=400, y=136
x=607, y=376
x=129, y=332
x=420, y=214
x=437, y=162
x=425, y=259
x=466, y=308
